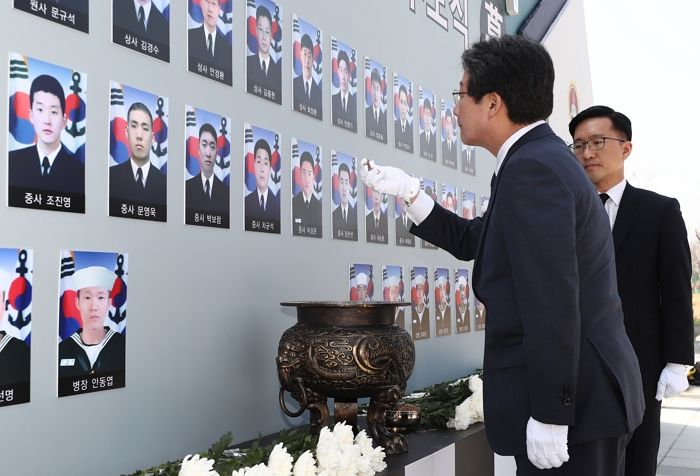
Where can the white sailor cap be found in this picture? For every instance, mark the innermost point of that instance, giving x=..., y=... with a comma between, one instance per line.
x=419, y=279
x=462, y=281
x=442, y=279
x=94, y=276
x=361, y=279
x=392, y=280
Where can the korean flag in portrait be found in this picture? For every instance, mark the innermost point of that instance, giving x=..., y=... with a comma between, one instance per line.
x=449, y=134
x=207, y=168
x=344, y=85
x=361, y=282
x=429, y=187
x=443, y=308
x=264, y=49
x=420, y=299
x=344, y=196
x=427, y=126
x=46, y=136
x=16, y=276
x=92, y=312
x=262, y=170
x=307, y=82
x=209, y=39
x=138, y=153
x=393, y=290
x=307, y=189
x=403, y=113
x=449, y=197
x=375, y=100
x=462, y=300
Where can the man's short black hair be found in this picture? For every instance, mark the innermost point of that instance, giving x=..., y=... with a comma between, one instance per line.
x=620, y=122
x=47, y=84
x=374, y=76
x=343, y=56
x=306, y=157
x=206, y=127
x=518, y=69
x=262, y=144
x=139, y=106
x=343, y=167
x=402, y=89
x=307, y=43
x=263, y=12
x=427, y=106
x=448, y=112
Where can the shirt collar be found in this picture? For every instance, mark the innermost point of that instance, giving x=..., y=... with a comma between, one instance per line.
x=146, y=9
x=206, y=37
x=615, y=193
x=204, y=180
x=51, y=156
x=503, y=151
x=144, y=169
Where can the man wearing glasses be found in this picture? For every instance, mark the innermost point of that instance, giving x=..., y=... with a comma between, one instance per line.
x=562, y=387
x=653, y=271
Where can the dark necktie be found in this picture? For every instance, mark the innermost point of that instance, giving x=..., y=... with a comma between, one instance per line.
x=210, y=45
x=603, y=197
x=45, y=166
x=376, y=223
x=139, y=177
x=376, y=117
x=142, y=18
x=344, y=105
x=306, y=88
x=307, y=202
x=493, y=180
x=345, y=216
x=262, y=202
x=403, y=127
x=206, y=188
x=264, y=68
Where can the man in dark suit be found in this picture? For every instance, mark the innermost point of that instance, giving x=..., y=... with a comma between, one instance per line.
x=306, y=208
x=141, y=18
x=449, y=146
x=653, y=265
x=403, y=225
x=403, y=130
x=307, y=92
x=345, y=215
x=559, y=370
x=375, y=118
x=420, y=314
x=344, y=103
x=376, y=223
x=205, y=191
x=469, y=160
x=47, y=165
x=206, y=43
x=428, y=144
x=137, y=179
x=264, y=73
x=262, y=203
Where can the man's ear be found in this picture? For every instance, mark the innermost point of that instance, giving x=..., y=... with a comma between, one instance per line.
x=626, y=150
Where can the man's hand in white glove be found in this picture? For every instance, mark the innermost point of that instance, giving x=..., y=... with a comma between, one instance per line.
x=547, y=444
x=389, y=180
x=673, y=380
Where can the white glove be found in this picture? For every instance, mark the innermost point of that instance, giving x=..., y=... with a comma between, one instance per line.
x=389, y=180
x=546, y=444
x=673, y=380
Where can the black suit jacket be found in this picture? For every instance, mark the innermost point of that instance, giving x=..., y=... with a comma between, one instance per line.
x=126, y=17
x=349, y=115
x=67, y=174
x=555, y=345
x=197, y=44
x=14, y=361
x=653, y=264
x=254, y=210
x=371, y=228
x=300, y=97
x=373, y=126
x=122, y=185
x=449, y=156
x=428, y=148
x=340, y=225
x=403, y=139
x=196, y=199
x=303, y=215
x=272, y=80
x=404, y=232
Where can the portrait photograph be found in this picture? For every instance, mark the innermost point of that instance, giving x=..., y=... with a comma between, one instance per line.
x=92, y=305
x=462, y=300
x=484, y=204
x=344, y=85
x=426, y=127
x=361, y=283
x=443, y=308
x=207, y=168
x=402, y=224
x=469, y=159
x=479, y=315
x=375, y=100
x=430, y=188
x=449, y=197
x=307, y=76
x=420, y=314
x=376, y=221
x=392, y=291
x=449, y=134
x=264, y=50
x=344, y=191
x=46, y=136
x=70, y=13
x=403, y=114
x=262, y=180
x=307, y=188
x=142, y=26
x=468, y=205
x=210, y=39
x=16, y=279
x=138, y=153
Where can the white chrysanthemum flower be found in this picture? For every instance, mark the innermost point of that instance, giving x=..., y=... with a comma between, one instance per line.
x=305, y=465
x=280, y=461
x=470, y=410
x=364, y=442
x=196, y=466
x=348, y=461
x=343, y=434
x=327, y=451
x=376, y=458
x=259, y=469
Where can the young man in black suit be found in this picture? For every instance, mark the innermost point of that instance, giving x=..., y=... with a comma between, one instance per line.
x=345, y=215
x=428, y=144
x=207, y=45
x=307, y=92
x=653, y=265
x=306, y=208
x=262, y=204
x=142, y=18
x=376, y=223
x=562, y=387
x=449, y=146
x=375, y=118
x=264, y=73
x=205, y=192
x=344, y=103
x=47, y=165
x=403, y=225
x=403, y=130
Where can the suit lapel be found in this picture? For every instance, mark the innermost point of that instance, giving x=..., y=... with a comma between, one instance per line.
x=626, y=215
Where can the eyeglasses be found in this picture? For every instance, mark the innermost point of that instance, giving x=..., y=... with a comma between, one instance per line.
x=596, y=143
x=457, y=95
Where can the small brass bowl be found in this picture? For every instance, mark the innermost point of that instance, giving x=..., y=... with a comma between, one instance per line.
x=403, y=418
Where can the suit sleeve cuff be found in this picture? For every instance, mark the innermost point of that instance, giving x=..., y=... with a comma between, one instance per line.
x=420, y=208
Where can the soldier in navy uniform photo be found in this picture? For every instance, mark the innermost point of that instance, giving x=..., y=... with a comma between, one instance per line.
x=345, y=214
x=403, y=225
x=443, y=311
x=209, y=51
x=420, y=314
x=307, y=91
x=449, y=144
x=306, y=208
x=344, y=102
x=462, y=300
x=262, y=203
x=375, y=117
x=403, y=129
x=428, y=147
x=468, y=159
x=264, y=73
x=376, y=223
x=205, y=191
x=141, y=26
x=14, y=354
